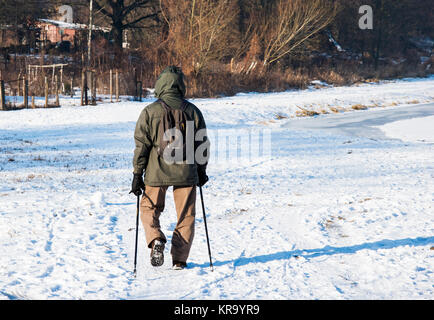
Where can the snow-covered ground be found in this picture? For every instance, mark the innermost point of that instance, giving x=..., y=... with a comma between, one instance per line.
x=415, y=130
x=339, y=207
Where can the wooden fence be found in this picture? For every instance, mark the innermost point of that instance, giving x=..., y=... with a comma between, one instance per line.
x=15, y=94
x=12, y=91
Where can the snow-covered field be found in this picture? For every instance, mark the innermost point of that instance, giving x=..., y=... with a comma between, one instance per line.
x=341, y=207
x=415, y=130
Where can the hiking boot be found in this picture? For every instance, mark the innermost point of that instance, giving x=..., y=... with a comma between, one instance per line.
x=157, y=253
x=179, y=265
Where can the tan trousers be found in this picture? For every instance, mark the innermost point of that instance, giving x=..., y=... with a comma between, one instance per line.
x=152, y=204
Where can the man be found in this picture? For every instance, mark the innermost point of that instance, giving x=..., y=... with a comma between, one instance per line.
x=184, y=176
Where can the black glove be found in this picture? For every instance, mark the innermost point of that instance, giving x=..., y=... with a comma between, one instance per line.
x=137, y=184
x=203, y=178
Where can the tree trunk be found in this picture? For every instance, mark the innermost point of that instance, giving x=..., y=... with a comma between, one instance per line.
x=118, y=38
x=379, y=35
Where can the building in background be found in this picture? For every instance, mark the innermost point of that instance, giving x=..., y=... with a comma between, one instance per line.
x=55, y=31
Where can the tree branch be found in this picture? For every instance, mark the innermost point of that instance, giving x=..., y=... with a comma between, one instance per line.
x=101, y=9
x=133, y=23
x=136, y=4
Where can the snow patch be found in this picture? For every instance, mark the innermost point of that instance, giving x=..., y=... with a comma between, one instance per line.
x=411, y=130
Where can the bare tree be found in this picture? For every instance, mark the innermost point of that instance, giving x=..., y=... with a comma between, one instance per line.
x=292, y=23
x=127, y=14
x=200, y=31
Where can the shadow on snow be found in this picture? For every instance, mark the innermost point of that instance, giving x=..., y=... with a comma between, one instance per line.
x=326, y=251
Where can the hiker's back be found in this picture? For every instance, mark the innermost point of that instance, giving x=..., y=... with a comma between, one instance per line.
x=155, y=122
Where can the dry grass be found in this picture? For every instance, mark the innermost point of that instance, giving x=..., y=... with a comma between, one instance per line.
x=336, y=109
x=280, y=116
x=359, y=107
x=266, y=122
x=413, y=102
x=332, y=76
x=306, y=113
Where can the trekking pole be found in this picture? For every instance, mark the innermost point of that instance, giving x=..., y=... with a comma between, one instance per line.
x=206, y=229
x=137, y=235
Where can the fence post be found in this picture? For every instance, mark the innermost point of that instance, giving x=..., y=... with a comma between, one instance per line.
x=93, y=88
x=140, y=89
x=61, y=80
x=33, y=101
x=2, y=95
x=26, y=93
x=46, y=92
x=24, y=85
x=19, y=85
x=117, y=85
x=86, y=88
x=72, y=86
x=136, y=93
x=111, y=85
x=82, y=87
x=89, y=85
x=56, y=87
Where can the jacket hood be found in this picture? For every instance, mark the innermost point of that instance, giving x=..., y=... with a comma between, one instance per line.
x=170, y=84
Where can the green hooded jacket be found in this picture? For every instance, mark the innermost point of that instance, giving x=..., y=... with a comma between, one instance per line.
x=170, y=88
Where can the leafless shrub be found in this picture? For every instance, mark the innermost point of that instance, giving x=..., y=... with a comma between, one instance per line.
x=199, y=31
x=293, y=22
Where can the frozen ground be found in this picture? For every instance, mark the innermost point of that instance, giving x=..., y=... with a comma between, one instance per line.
x=342, y=208
x=415, y=130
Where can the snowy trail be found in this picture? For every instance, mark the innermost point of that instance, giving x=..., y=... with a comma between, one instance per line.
x=332, y=214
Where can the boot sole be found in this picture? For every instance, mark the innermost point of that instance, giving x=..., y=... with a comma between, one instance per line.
x=178, y=268
x=157, y=258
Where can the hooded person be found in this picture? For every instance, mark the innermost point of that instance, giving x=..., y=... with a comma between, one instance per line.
x=160, y=174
